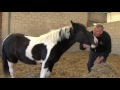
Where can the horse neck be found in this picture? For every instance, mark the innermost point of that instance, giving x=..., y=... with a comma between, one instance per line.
x=69, y=42
x=65, y=44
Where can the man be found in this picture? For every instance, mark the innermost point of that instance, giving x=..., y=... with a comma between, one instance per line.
x=102, y=50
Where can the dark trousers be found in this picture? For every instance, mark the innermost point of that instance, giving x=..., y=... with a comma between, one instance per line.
x=92, y=58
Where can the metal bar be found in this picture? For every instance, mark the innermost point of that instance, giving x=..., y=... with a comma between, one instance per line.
x=9, y=22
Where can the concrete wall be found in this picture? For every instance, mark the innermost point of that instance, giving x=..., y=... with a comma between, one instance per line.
x=97, y=17
x=113, y=28
x=113, y=16
x=38, y=23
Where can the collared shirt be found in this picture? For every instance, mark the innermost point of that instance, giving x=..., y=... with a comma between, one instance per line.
x=104, y=44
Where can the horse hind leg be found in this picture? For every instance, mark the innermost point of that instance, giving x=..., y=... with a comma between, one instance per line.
x=7, y=67
x=11, y=69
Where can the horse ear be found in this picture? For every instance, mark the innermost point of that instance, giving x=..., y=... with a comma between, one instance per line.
x=72, y=23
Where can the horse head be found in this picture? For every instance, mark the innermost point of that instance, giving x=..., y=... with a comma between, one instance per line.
x=83, y=36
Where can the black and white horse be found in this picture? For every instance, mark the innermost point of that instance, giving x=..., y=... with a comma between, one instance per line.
x=45, y=49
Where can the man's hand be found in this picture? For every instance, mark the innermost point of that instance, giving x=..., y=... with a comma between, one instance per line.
x=86, y=46
x=99, y=60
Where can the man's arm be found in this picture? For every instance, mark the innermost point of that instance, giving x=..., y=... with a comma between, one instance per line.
x=99, y=60
x=108, y=47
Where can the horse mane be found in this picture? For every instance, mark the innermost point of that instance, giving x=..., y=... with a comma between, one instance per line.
x=56, y=35
x=82, y=26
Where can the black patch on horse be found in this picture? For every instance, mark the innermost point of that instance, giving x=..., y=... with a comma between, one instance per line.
x=39, y=52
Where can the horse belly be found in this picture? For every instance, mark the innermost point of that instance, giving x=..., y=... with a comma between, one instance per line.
x=27, y=61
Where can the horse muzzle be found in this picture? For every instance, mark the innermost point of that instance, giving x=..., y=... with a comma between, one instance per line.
x=93, y=46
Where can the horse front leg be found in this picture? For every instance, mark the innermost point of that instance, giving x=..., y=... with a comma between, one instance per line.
x=46, y=70
x=50, y=67
x=43, y=71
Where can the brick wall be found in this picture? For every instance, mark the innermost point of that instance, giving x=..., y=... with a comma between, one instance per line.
x=38, y=23
x=113, y=29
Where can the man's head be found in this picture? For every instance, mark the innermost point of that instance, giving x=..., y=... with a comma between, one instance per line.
x=98, y=30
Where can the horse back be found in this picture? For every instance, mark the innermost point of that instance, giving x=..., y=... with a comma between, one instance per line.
x=15, y=41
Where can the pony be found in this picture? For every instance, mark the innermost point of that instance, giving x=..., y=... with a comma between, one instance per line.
x=45, y=50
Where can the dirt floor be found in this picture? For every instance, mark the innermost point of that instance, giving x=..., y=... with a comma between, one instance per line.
x=70, y=65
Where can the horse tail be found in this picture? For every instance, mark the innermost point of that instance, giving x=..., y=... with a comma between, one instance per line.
x=5, y=63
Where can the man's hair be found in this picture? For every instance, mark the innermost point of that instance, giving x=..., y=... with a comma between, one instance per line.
x=99, y=26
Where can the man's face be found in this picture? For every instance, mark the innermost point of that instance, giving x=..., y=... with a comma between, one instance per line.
x=97, y=31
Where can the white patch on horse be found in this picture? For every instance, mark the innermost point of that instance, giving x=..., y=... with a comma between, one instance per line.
x=39, y=61
x=32, y=43
x=50, y=40
x=11, y=69
x=65, y=32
